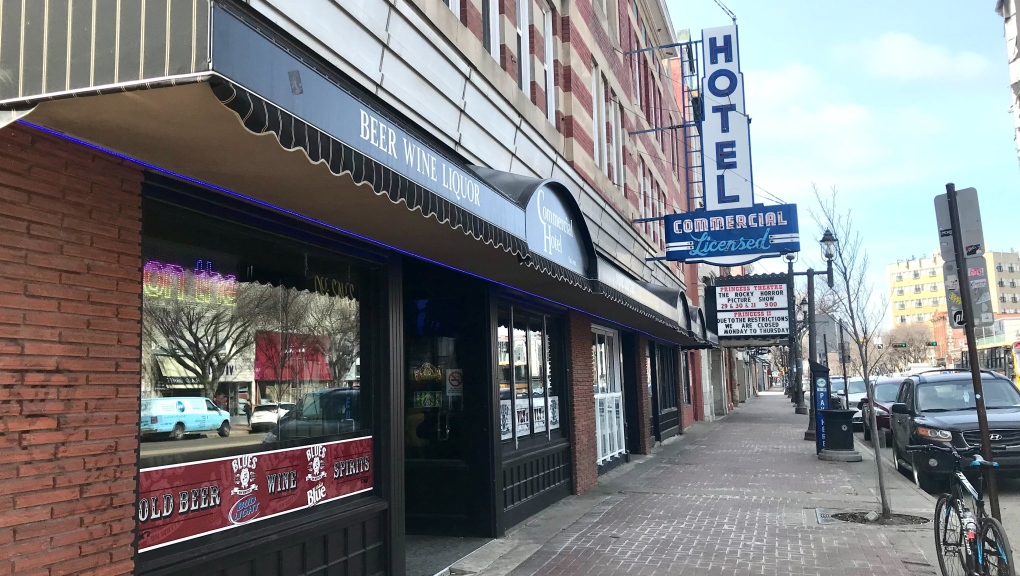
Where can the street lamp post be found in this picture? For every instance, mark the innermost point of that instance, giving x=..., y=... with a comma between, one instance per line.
x=801, y=316
x=828, y=243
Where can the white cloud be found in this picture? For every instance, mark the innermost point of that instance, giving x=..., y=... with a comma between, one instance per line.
x=900, y=56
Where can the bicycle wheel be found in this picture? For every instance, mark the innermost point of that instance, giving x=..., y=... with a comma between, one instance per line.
x=949, y=536
x=996, y=555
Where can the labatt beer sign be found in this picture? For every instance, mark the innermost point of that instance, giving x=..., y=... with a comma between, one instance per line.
x=189, y=500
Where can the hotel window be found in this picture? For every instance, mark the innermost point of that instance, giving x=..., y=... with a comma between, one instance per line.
x=918, y=303
x=903, y=319
x=933, y=287
x=1013, y=298
x=617, y=156
x=998, y=268
x=641, y=191
x=523, y=46
x=1001, y=283
x=899, y=291
x=917, y=289
x=1002, y=298
x=900, y=306
x=899, y=277
x=917, y=274
x=598, y=143
x=550, y=64
x=1012, y=268
x=454, y=7
x=490, y=35
x=636, y=67
x=932, y=273
x=1012, y=283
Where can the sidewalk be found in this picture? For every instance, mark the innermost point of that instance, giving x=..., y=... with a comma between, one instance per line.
x=735, y=496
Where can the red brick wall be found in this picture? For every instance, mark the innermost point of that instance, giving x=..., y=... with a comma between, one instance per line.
x=70, y=303
x=644, y=430
x=583, y=447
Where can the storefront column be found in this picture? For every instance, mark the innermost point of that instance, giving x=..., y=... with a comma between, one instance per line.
x=683, y=376
x=70, y=308
x=697, y=392
x=583, y=449
x=644, y=398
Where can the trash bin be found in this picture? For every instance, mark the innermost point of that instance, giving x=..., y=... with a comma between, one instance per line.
x=839, y=429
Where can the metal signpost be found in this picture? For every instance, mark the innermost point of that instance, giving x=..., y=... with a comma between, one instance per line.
x=964, y=238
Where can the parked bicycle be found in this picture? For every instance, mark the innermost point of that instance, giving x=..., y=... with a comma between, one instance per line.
x=968, y=542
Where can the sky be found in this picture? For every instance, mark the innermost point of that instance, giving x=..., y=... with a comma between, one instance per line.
x=885, y=100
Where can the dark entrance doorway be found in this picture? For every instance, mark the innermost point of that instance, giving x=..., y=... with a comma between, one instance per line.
x=447, y=437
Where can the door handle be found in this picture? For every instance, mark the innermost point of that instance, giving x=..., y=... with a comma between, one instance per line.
x=443, y=426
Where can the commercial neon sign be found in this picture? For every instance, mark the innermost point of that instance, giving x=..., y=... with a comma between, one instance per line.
x=202, y=285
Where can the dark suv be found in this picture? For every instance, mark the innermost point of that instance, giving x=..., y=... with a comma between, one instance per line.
x=938, y=408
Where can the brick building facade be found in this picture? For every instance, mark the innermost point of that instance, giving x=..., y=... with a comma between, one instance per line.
x=472, y=208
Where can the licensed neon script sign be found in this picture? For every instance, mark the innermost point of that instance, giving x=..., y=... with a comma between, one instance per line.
x=202, y=285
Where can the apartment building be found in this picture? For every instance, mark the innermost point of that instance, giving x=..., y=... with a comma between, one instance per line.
x=917, y=289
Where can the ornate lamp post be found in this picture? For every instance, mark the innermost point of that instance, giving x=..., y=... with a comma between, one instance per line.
x=828, y=245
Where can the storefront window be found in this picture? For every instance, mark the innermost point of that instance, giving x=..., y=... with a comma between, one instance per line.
x=252, y=388
x=533, y=410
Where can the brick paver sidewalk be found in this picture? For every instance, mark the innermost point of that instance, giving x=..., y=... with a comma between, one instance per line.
x=737, y=496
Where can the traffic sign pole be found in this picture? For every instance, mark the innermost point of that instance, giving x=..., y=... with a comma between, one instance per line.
x=975, y=370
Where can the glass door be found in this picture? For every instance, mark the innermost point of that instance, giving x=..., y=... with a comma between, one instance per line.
x=608, y=389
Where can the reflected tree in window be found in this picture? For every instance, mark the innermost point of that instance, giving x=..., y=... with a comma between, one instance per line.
x=337, y=320
x=203, y=324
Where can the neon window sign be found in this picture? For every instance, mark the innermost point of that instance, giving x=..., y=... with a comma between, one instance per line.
x=202, y=285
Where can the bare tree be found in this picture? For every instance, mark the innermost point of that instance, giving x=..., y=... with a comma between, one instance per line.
x=857, y=303
x=916, y=336
x=337, y=321
x=203, y=337
x=284, y=342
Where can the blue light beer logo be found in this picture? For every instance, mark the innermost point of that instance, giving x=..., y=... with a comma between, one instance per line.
x=732, y=237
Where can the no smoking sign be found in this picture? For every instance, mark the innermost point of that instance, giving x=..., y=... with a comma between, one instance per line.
x=455, y=382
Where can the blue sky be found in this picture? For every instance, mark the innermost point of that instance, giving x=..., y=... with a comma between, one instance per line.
x=886, y=100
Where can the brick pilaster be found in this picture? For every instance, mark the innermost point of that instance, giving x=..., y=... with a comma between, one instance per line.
x=644, y=403
x=70, y=304
x=583, y=447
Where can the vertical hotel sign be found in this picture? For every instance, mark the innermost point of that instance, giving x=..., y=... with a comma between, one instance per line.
x=731, y=229
x=726, y=141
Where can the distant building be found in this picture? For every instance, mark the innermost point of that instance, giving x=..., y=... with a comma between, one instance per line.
x=917, y=290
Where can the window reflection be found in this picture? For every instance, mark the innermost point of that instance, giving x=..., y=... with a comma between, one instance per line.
x=242, y=334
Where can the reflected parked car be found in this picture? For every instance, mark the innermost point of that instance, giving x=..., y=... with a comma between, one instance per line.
x=885, y=396
x=177, y=417
x=326, y=412
x=266, y=416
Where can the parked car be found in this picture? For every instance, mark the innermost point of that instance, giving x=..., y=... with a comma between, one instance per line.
x=265, y=416
x=177, y=417
x=858, y=390
x=939, y=408
x=325, y=412
x=885, y=396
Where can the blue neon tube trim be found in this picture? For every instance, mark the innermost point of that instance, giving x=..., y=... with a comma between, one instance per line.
x=300, y=216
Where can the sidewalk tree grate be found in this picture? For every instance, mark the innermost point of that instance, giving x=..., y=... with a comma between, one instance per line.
x=825, y=516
